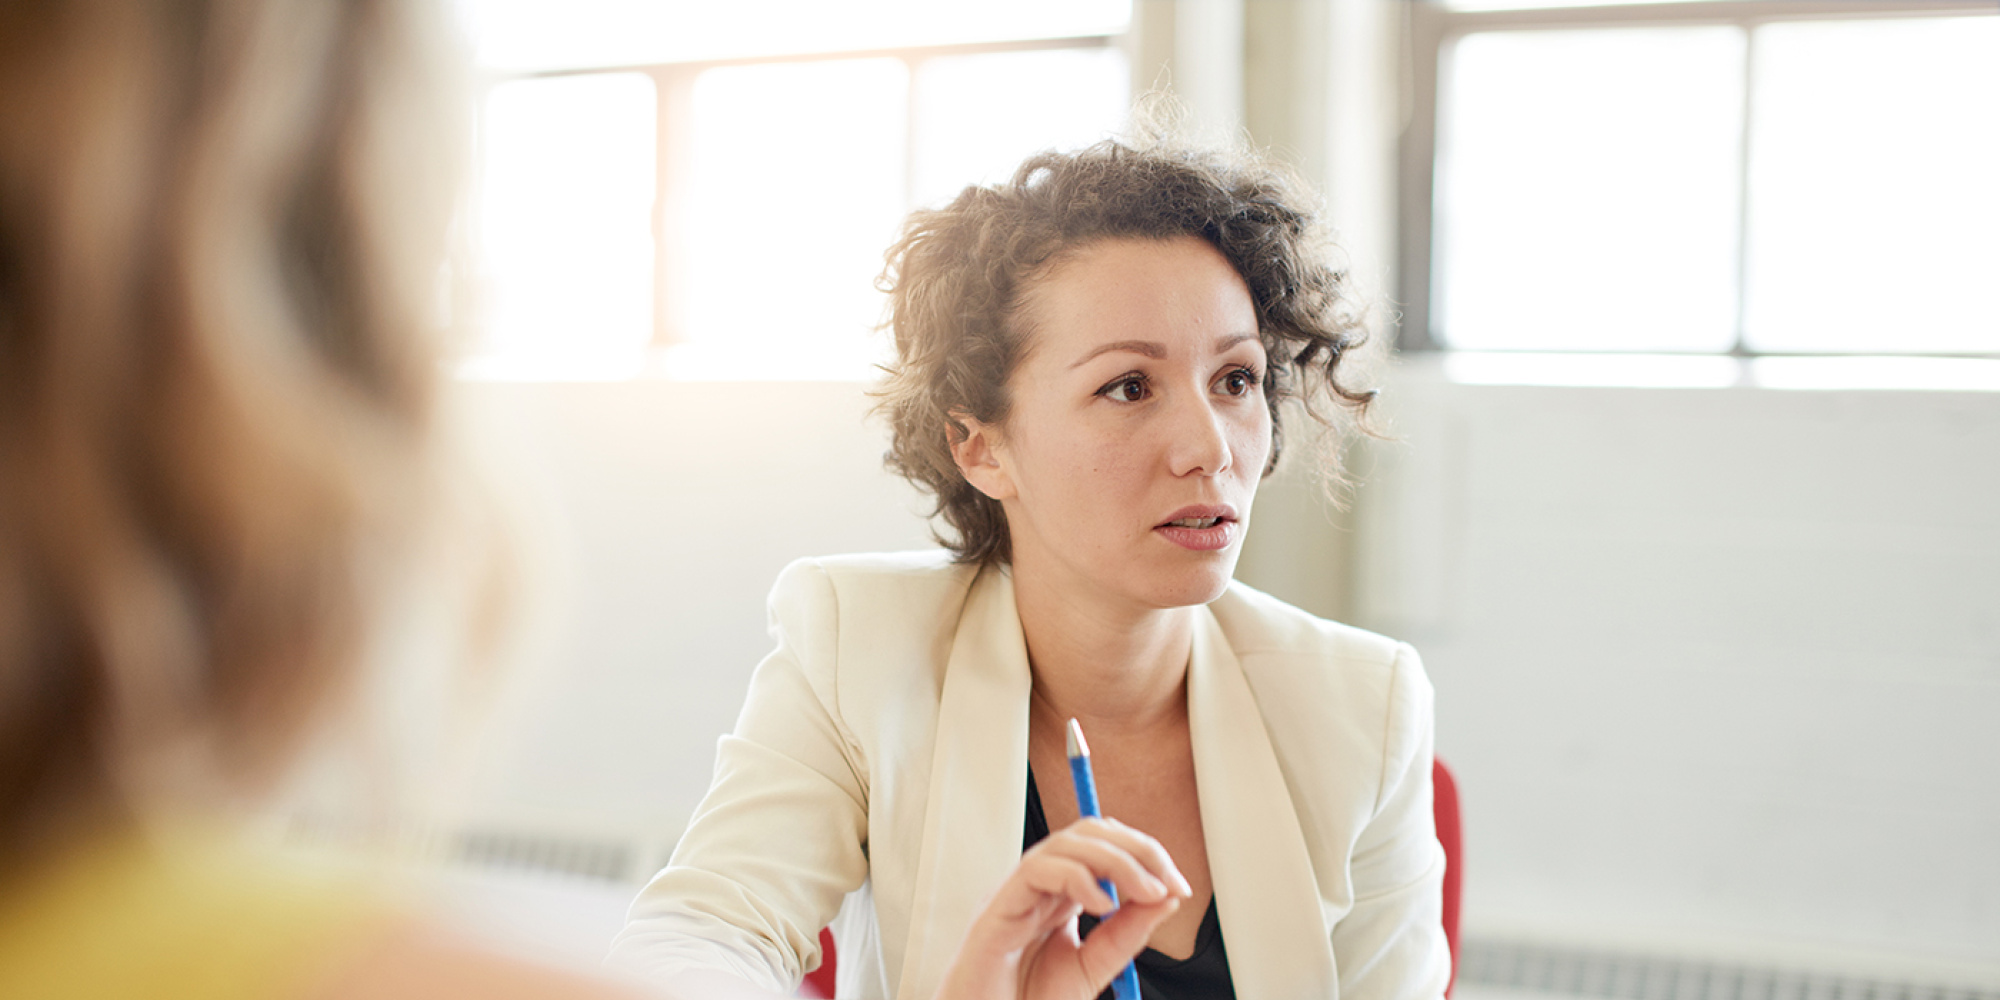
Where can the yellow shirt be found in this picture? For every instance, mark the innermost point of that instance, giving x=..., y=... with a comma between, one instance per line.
x=194, y=917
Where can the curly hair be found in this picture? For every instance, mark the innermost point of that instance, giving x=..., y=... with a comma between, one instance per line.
x=957, y=276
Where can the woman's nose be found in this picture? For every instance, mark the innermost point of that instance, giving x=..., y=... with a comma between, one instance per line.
x=1198, y=443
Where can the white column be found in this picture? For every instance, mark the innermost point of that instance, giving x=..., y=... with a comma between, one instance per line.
x=1208, y=66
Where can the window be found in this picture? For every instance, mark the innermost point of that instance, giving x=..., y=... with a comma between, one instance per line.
x=708, y=189
x=1750, y=178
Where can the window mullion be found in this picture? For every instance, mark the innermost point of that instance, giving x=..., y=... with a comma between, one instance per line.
x=1741, y=346
x=674, y=90
x=911, y=104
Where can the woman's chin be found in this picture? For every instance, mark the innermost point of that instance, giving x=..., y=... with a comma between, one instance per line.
x=1194, y=585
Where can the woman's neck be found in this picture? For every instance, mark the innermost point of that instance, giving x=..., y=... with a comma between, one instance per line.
x=1119, y=668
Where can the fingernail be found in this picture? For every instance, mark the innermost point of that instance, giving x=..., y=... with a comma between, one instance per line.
x=1182, y=882
x=1156, y=890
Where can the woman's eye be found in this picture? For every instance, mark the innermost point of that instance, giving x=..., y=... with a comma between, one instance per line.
x=1126, y=390
x=1238, y=382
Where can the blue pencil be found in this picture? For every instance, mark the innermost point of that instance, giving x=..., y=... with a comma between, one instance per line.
x=1126, y=986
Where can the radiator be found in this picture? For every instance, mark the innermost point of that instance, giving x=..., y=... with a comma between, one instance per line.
x=1580, y=972
x=608, y=860
x=556, y=854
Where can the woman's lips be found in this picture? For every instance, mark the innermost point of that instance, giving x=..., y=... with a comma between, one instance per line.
x=1200, y=530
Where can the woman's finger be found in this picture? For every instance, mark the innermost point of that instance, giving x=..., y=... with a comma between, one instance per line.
x=1058, y=873
x=1142, y=847
x=1133, y=861
x=1044, y=893
x=1064, y=874
x=1120, y=937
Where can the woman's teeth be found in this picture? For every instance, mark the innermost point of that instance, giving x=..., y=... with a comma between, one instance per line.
x=1194, y=522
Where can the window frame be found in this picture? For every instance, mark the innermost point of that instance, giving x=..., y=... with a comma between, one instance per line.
x=1431, y=27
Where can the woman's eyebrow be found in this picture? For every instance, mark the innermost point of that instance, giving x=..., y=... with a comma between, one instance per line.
x=1151, y=349
x=1154, y=349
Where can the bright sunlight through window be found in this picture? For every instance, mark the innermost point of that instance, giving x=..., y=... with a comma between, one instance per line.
x=1791, y=187
x=717, y=206
x=563, y=227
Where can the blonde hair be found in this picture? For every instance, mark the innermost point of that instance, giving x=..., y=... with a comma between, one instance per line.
x=220, y=222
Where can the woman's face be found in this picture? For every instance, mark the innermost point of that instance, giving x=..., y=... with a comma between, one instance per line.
x=1138, y=428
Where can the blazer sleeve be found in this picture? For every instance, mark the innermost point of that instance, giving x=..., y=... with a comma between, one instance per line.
x=781, y=836
x=1391, y=944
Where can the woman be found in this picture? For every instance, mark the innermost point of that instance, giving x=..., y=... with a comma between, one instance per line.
x=1091, y=361
x=220, y=229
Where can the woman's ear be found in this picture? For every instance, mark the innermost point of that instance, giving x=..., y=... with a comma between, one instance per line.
x=981, y=457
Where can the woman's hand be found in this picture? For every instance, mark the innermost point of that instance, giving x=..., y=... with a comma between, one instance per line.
x=1024, y=945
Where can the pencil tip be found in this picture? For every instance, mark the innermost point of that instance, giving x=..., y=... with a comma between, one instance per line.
x=1077, y=747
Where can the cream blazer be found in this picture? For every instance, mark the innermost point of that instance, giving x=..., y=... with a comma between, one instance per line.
x=880, y=765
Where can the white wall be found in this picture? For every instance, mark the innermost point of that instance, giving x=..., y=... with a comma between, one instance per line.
x=671, y=507
x=1719, y=668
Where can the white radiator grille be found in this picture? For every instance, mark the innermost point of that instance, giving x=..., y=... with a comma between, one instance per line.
x=1615, y=976
x=610, y=860
x=565, y=855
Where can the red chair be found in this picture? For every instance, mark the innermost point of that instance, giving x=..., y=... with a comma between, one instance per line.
x=819, y=982
x=1444, y=806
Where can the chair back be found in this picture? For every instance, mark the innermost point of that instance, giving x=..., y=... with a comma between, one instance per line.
x=819, y=982
x=1444, y=806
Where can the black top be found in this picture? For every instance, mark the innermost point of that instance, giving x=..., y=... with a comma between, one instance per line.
x=1203, y=975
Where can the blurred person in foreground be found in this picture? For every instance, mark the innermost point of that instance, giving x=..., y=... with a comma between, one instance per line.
x=1092, y=361
x=220, y=229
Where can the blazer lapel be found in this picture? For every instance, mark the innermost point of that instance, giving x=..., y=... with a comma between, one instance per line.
x=972, y=821
x=1265, y=892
